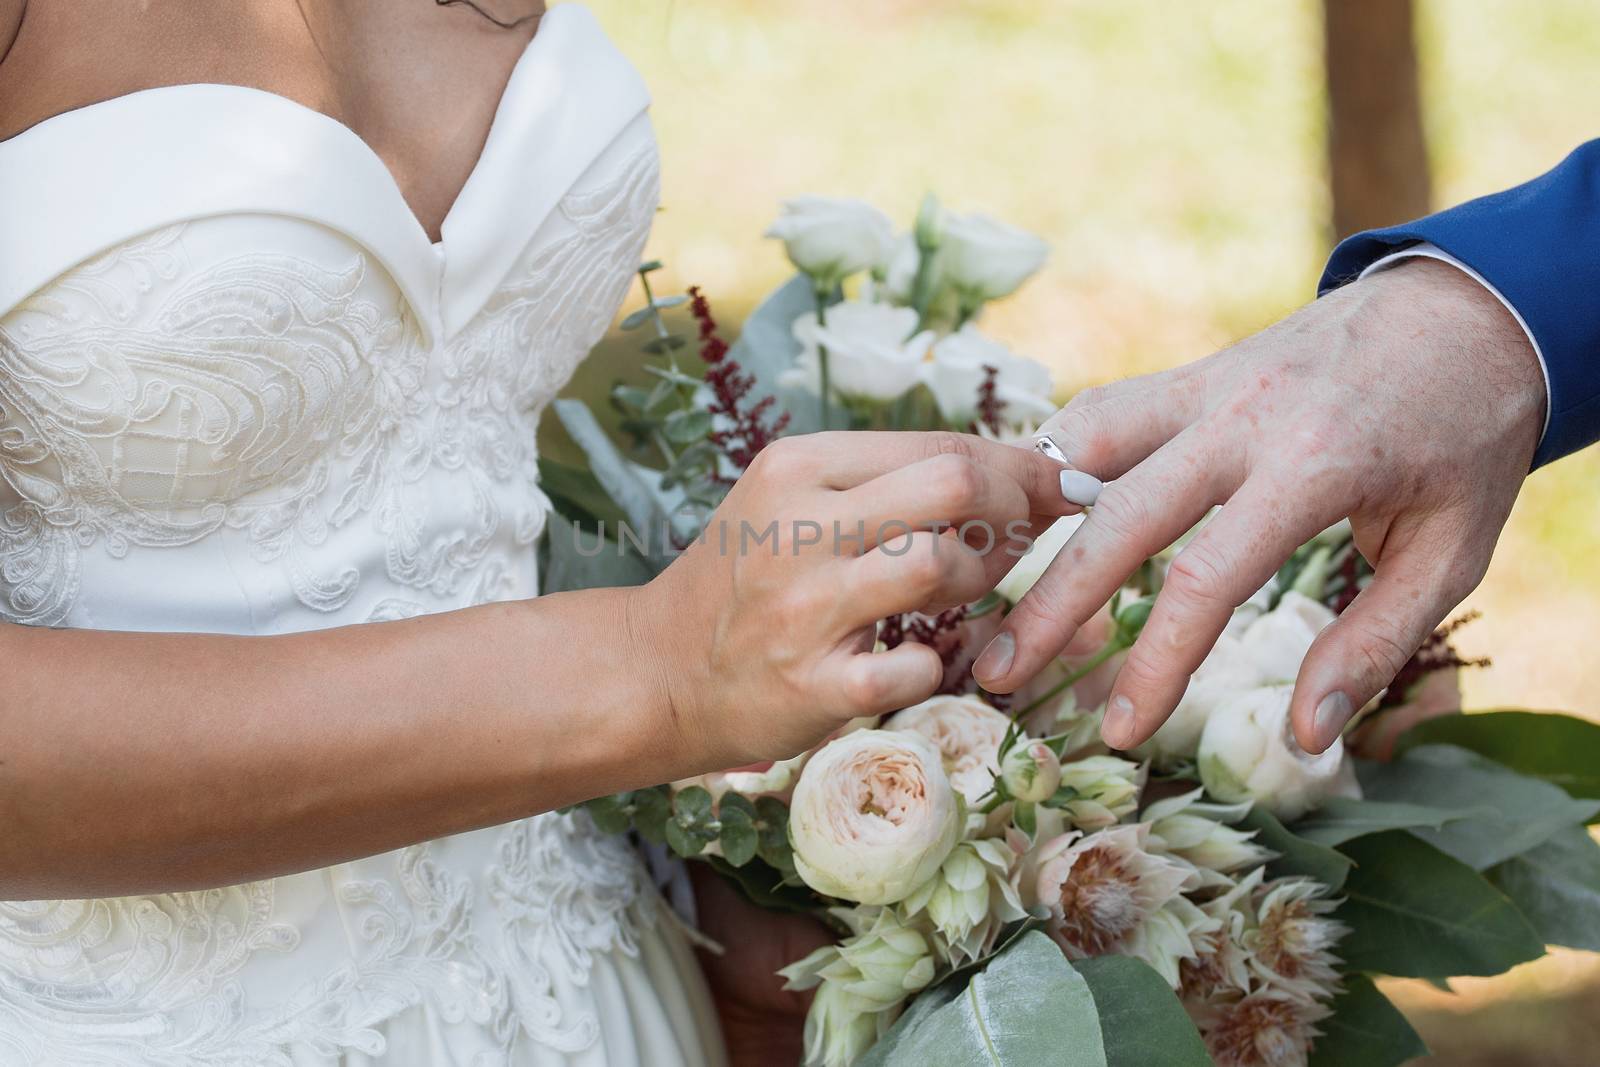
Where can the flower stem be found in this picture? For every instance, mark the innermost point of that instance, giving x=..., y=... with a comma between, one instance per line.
x=822, y=357
x=1112, y=646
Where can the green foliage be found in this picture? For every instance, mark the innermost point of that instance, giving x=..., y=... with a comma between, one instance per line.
x=1341, y=819
x=1561, y=749
x=574, y=559
x=1416, y=912
x=1295, y=855
x=1140, y=1016
x=1365, y=1030
x=1026, y=1006
x=1557, y=886
x=1503, y=813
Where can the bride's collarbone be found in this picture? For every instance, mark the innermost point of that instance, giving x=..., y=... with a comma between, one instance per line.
x=423, y=102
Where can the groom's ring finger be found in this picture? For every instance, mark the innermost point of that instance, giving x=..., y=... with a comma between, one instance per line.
x=1138, y=516
x=1231, y=557
x=913, y=572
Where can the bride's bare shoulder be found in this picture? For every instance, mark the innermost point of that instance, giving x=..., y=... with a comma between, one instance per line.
x=60, y=55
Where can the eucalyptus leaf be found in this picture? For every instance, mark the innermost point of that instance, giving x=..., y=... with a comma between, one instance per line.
x=737, y=835
x=683, y=427
x=767, y=347
x=762, y=885
x=1557, y=886
x=621, y=480
x=651, y=810
x=1295, y=855
x=577, y=494
x=1561, y=749
x=1365, y=1030
x=1026, y=1008
x=664, y=302
x=1503, y=812
x=611, y=814
x=660, y=346
x=638, y=318
x=1416, y=912
x=1140, y=1016
x=1340, y=819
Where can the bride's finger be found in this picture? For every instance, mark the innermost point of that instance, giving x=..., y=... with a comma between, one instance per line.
x=1138, y=516
x=1110, y=434
x=876, y=683
x=1231, y=557
x=844, y=460
x=913, y=572
x=946, y=491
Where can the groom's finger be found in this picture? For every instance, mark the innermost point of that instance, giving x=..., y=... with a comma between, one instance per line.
x=844, y=460
x=1136, y=517
x=1411, y=592
x=1231, y=557
x=1109, y=433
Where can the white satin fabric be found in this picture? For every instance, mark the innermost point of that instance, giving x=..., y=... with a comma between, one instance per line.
x=241, y=391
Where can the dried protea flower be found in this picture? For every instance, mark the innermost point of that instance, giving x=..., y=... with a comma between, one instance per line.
x=1264, y=1029
x=1291, y=945
x=1106, y=894
x=1222, y=964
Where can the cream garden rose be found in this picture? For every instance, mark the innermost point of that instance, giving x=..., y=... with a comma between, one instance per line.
x=968, y=734
x=1248, y=752
x=874, y=351
x=873, y=816
x=831, y=238
x=985, y=259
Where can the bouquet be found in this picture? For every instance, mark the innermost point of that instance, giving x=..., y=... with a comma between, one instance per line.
x=1004, y=888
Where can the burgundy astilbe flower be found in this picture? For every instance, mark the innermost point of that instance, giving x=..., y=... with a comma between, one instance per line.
x=990, y=406
x=1436, y=654
x=748, y=429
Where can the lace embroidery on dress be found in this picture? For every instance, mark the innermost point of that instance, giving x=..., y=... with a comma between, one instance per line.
x=268, y=396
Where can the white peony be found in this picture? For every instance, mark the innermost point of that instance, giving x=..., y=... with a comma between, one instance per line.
x=1277, y=642
x=985, y=259
x=960, y=364
x=831, y=238
x=873, y=350
x=1030, y=567
x=873, y=816
x=968, y=734
x=1248, y=752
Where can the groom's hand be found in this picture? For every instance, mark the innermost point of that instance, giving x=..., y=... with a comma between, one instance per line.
x=1410, y=402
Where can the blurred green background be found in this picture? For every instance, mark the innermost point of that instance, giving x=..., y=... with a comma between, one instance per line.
x=1176, y=157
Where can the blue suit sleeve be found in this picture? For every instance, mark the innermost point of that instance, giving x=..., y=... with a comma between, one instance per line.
x=1539, y=245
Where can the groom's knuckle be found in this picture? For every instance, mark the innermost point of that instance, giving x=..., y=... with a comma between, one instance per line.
x=1200, y=576
x=1122, y=513
x=1382, y=652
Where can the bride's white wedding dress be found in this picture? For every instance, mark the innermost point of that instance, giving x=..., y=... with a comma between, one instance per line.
x=241, y=391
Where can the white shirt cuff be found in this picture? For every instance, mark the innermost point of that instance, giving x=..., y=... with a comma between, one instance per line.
x=1431, y=251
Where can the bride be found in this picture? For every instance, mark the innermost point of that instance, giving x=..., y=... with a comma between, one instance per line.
x=284, y=286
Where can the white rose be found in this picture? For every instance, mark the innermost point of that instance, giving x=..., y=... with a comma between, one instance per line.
x=831, y=238
x=1248, y=752
x=1278, y=641
x=873, y=816
x=1028, y=569
x=900, y=275
x=986, y=259
x=1225, y=673
x=959, y=366
x=872, y=352
x=968, y=734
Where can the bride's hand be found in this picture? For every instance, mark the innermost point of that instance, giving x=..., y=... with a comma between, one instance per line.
x=1410, y=401
x=761, y=631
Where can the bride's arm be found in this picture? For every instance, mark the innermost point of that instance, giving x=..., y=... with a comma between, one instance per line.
x=133, y=762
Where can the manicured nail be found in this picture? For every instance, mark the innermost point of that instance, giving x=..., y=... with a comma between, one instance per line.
x=1332, y=713
x=996, y=659
x=1080, y=488
x=1117, y=728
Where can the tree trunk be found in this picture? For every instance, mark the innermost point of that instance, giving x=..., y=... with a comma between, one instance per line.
x=1377, y=156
